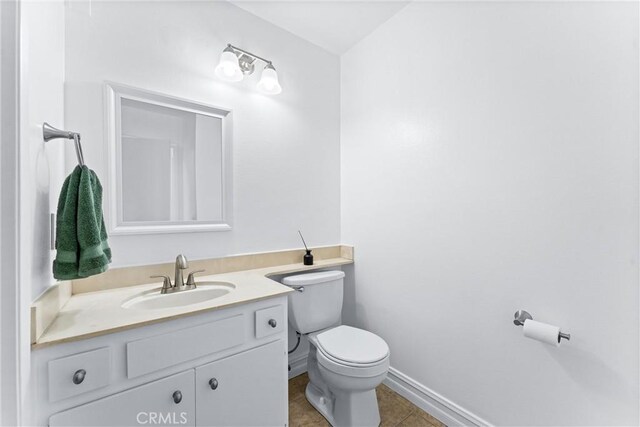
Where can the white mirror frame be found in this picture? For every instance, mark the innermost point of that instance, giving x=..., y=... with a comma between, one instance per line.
x=114, y=93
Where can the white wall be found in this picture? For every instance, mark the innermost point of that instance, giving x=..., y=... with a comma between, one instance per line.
x=41, y=167
x=286, y=147
x=9, y=270
x=490, y=163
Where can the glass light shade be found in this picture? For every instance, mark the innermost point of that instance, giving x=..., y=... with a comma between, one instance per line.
x=269, y=81
x=228, y=68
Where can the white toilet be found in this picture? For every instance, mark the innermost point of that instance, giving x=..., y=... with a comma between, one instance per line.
x=345, y=364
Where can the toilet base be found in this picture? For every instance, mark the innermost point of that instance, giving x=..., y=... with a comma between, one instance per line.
x=322, y=404
x=357, y=409
x=349, y=409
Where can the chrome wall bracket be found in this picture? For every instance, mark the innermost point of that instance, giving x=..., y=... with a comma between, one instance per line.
x=247, y=64
x=49, y=133
x=520, y=316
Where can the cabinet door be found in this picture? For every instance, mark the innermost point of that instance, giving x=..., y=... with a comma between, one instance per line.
x=247, y=389
x=169, y=401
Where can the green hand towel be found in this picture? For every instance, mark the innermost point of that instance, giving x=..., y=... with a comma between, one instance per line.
x=65, y=266
x=81, y=236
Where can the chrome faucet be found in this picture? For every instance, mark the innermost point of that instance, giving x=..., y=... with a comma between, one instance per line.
x=181, y=264
x=179, y=284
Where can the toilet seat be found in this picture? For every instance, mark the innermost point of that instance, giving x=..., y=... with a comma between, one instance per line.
x=363, y=371
x=352, y=346
x=351, y=351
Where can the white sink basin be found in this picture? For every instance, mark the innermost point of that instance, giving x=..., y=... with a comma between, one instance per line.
x=153, y=299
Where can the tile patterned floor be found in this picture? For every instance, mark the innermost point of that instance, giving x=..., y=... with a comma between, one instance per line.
x=395, y=410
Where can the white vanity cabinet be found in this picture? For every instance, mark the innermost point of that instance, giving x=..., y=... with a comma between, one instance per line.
x=219, y=368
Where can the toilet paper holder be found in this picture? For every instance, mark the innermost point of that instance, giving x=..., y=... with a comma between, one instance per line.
x=521, y=315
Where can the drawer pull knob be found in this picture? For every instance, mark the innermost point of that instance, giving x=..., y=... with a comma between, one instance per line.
x=273, y=323
x=177, y=396
x=78, y=376
x=213, y=383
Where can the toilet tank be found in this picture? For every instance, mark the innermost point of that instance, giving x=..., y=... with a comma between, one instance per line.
x=317, y=303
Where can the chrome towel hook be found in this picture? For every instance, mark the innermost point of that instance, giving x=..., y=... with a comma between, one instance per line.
x=49, y=133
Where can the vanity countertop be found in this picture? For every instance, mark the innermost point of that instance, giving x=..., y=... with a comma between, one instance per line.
x=90, y=314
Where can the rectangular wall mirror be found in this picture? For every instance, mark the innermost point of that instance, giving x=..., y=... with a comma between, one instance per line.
x=184, y=151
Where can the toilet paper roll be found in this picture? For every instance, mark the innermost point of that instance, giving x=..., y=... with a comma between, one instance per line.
x=542, y=332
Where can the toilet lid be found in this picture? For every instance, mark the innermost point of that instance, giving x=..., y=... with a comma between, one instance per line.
x=353, y=345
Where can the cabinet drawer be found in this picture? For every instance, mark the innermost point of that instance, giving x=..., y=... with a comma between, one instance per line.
x=161, y=351
x=169, y=401
x=269, y=321
x=80, y=373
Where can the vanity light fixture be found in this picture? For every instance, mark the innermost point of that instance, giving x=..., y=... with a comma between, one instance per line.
x=228, y=69
x=235, y=63
x=269, y=81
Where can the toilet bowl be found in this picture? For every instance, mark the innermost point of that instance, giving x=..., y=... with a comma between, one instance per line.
x=345, y=364
x=352, y=362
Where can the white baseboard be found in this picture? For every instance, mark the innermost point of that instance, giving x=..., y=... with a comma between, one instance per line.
x=423, y=397
x=298, y=365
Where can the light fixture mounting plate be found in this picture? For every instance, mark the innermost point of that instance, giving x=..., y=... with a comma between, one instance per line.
x=247, y=63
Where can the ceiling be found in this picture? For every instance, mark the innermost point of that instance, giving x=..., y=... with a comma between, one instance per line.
x=333, y=25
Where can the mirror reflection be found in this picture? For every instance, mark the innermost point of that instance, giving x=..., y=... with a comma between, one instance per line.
x=181, y=154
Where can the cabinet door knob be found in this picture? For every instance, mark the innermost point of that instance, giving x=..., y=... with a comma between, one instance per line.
x=79, y=375
x=273, y=323
x=213, y=383
x=177, y=396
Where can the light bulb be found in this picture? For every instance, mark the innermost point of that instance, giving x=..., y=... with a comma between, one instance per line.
x=228, y=69
x=269, y=81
